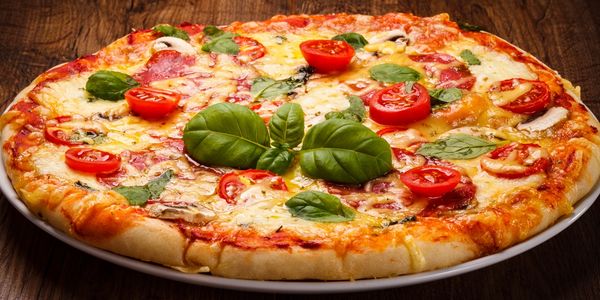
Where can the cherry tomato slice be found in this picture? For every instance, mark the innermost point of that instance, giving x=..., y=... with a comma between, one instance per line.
x=327, y=55
x=250, y=49
x=58, y=136
x=231, y=184
x=152, y=103
x=532, y=101
x=430, y=181
x=91, y=160
x=516, y=160
x=395, y=106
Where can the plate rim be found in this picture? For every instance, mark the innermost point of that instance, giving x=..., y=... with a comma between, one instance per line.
x=301, y=287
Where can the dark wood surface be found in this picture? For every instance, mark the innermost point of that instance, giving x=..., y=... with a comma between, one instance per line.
x=35, y=35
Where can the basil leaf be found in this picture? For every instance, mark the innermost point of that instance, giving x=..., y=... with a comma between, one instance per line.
x=356, y=111
x=469, y=27
x=320, y=207
x=287, y=126
x=82, y=185
x=139, y=194
x=220, y=41
x=222, y=45
x=265, y=87
x=226, y=134
x=355, y=40
x=457, y=146
x=109, y=85
x=276, y=160
x=393, y=73
x=446, y=95
x=344, y=151
x=469, y=57
x=168, y=30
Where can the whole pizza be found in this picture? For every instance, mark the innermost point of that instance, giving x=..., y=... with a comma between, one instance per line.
x=303, y=147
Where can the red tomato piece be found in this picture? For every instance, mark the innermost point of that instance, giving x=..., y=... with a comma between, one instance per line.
x=250, y=49
x=433, y=58
x=165, y=64
x=387, y=130
x=296, y=21
x=91, y=160
x=395, y=106
x=532, y=101
x=327, y=55
x=516, y=160
x=152, y=103
x=231, y=184
x=431, y=181
x=58, y=136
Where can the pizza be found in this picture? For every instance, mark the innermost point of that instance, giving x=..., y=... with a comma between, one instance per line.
x=328, y=147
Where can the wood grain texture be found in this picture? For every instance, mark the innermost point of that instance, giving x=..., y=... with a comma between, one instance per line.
x=36, y=35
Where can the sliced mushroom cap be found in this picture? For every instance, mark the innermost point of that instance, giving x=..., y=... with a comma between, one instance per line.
x=192, y=214
x=552, y=117
x=173, y=43
x=391, y=35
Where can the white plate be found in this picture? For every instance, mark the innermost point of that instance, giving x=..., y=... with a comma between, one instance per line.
x=301, y=286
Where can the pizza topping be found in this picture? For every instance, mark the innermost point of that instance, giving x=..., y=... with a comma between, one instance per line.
x=551, y=117
x=327, y=56
x=232, y=184
x=393, y=73
x=91, y=160
x=344, y=151
x=69, y=137
x=171, y=31
x=189, y=213
x=516, y=160
x=152, y=103
x=173, y=43
x=399, y=105
x=287, y=126
x=356, y=40
x=356, y=111
x=405, y=159
x=220, y=41
x=520, y=96
x=457, y=146
x=461, y=197
x=165, y=64
x=445, y=96
x=400, y=137
x=250, y=49
x=451, y=73
x=276, y=160
x=140, y=194
x=430, y=180
x=268, y=88
x=58, y=136
x=109, y=85
x=319, y=207
x=433, y=58
x=469, y=57
x=392, y=35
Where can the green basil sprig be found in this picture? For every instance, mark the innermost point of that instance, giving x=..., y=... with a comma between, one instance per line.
x=320, y=207
x=457, y=146
x=140, y=194
x=268, y=88
x=469, y=57
x=444, y=96
x=276, y=160
x=344, y=151
x=393, y=73
x=355, y=112
x=110, y=85
x=168, y=30
x=226, y=134
x=469, y=27
x=355, y=40
x=220, y=41
x=287, y=126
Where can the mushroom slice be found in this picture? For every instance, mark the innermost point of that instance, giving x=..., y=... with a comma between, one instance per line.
x=391, y=35
x=552, y=117
x=191, y=213
x=173, y=43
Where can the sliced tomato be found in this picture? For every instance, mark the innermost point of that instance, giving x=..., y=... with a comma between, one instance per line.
x=296, y=21
x=430, y=180
x=232, y=184
x=165, y=64
x=395, y=106
x=250, y=49
x=91, y=160
x=433, y=58
x=152, y=103
x=516, y=160
x=58, y=136
x=387, y=130
x=532, y=101
x=327, y=55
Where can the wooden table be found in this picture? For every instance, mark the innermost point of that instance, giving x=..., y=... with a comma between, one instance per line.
x=35, y=35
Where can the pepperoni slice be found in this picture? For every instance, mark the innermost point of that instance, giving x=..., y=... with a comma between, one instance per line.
x=458, y=77
x=165, y=64
x=433, y=58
